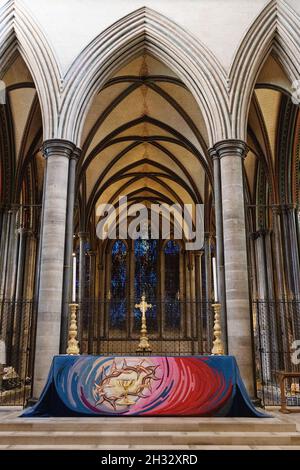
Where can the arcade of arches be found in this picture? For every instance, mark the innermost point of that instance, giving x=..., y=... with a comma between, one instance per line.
x=144, y=136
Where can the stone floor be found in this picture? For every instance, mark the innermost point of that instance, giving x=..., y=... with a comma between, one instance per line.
x=279, y=432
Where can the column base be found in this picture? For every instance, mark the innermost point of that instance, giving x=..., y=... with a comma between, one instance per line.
x=31, y=402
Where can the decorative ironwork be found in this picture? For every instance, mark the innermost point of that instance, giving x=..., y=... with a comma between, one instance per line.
x=275, y=326
x=123, y=341
x=17, y=331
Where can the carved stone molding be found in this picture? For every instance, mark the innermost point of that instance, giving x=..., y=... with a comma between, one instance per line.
x=58, y=147
x=229, y=148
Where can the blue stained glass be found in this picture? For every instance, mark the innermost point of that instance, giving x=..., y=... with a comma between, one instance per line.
x=145, y=279
x=171, y=247
x=118, y=303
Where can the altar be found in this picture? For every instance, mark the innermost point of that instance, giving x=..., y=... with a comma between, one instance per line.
x=144, y=386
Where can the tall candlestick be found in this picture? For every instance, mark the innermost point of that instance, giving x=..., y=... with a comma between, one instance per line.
x=215, y=279
x=74, y=279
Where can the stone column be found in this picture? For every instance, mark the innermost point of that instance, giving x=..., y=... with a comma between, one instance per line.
x=193, y=295
x=3, y=265
x=287, y=258
x=219, y=243
x=231, y=154
x=263, y=305
x=291, y=216
x=2, y=218
x=92, y=306
x=19, y=309
x=188, y=315
x=208, y=290
x=295, y=268
x=280, y=287
x=162, y=297
x=4, y=249
x=57, y=153
x=11, y=269
x=28, y=316
x=83, y=238
x=67, y=283
x=182, y=293
x=199, y=319
x=10, y=282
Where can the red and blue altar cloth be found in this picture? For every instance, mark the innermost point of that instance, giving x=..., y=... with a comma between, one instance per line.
x=144, y=386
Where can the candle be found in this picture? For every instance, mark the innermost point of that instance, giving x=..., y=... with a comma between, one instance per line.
x=215, y=279
x=74, y=279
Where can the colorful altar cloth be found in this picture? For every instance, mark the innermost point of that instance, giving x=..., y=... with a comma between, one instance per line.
x=144, y=386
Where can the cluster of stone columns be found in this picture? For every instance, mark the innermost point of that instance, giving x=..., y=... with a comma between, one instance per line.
x=18, y=250
x=275, y=261
x=231, y=253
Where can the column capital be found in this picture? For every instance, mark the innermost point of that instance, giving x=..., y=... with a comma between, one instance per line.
x=58, y=147
x=253, y=235
x=23, y=230
x=92, y=253
x=31, y=233
x=13, y=208
x=229, y=148
x=262, y=231
x=208, y=236
x=213, y=153
x=76, y=154
x=83, y=235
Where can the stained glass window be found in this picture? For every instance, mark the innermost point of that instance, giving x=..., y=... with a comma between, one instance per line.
x=172, y=286
x=145, y=279
x=118, y=303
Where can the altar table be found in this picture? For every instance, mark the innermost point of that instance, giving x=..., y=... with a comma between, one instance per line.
x=144, y=386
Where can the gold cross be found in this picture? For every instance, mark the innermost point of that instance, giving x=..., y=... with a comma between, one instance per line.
x=143, y=306
x=144, y=343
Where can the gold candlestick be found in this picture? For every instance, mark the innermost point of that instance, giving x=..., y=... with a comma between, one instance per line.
x=218, y=346
x=144, y=342
x=73, y=348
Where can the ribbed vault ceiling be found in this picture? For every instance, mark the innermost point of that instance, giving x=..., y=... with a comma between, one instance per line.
x=145, y=138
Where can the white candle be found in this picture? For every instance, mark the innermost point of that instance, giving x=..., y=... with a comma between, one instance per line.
x=74, y=279
x=215, y=279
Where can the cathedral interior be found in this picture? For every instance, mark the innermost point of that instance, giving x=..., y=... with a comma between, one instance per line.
x=144, y=136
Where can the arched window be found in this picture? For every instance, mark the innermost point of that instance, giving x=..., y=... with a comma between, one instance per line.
x=172, y=285
x=118, y=283
x=146, y=279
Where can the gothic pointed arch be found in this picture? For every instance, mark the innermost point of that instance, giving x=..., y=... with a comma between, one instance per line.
x=20, y=33
x=274, y=31
x=145, y=29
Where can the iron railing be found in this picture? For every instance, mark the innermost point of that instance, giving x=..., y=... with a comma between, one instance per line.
x=276, y=328
x=174, y=327
x=17, y=330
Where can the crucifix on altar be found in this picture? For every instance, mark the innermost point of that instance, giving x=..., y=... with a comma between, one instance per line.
x=144, y=342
